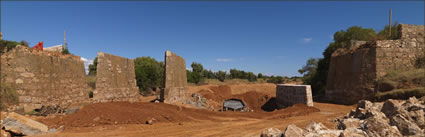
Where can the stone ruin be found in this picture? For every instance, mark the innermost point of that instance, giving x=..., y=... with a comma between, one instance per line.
x=287, y=95
x=353, y=73
x=43, y=78
x=175, y=79
x=115, y=79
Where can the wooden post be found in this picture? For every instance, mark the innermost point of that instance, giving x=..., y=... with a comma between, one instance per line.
x=390, y=22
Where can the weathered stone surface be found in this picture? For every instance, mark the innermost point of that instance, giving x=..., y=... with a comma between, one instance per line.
x=21, y=125
x=115, y=79
x=271, y=132
x=293, y=131
x=44, y=78
x=353, y=72
x=348, y=123
x=353, y=132
x=287, y=95
x=175, y=79
x=313, y=126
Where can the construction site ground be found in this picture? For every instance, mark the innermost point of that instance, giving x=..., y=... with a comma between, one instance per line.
x=129, y=119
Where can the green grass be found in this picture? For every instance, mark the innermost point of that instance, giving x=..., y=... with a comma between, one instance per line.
x=400, y=79
x=418, y=92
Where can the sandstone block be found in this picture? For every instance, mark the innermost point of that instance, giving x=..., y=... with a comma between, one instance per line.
x=287, y=95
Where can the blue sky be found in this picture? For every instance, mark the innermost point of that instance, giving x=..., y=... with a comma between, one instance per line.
x=274, y=38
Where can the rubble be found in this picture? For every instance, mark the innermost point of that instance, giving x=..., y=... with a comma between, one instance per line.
x=392, y=118
x=20, y=125
x=271, y=132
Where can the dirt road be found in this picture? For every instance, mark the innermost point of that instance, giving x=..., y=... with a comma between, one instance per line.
x=176, y=121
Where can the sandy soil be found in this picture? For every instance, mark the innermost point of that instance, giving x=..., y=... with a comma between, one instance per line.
x=128, y=119
x=175, y=121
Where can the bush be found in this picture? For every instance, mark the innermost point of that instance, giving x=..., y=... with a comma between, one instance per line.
x=7, y=45
x=91, y=81
x=93, y=67
x=65, y=51
x=149, y=74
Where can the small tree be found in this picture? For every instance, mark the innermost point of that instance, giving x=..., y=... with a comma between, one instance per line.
x=65, y=51
x=93, y=67
x=260, y=75
x=221, y=75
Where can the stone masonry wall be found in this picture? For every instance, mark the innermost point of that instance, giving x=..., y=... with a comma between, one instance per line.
x=175, y=78
x=44, y=78
x=353, y=73
x=287, y=95
x=115, y=79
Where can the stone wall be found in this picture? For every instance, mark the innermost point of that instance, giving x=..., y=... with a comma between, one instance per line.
x=287, y=95
x=353, y=73
x=57, y=48
x=44, y=78
x=115, y=79
x=175, y=78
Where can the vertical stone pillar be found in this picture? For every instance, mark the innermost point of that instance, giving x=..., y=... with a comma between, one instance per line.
x=175, y=79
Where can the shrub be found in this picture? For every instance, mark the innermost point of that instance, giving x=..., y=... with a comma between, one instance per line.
x=93, y=67
x=6, y=45
x=65, y=51
x=149, y=74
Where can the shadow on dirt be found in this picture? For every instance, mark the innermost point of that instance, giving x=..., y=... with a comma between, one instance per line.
x=270, y=105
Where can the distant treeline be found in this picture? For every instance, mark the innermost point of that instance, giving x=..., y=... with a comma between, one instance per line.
x=150, y=74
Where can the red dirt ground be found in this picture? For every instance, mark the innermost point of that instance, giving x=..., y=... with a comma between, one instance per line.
x=128, y=119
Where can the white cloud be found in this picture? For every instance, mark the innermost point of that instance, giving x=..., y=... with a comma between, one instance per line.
x=223, y=60
x=307, y=40
x=87, y=62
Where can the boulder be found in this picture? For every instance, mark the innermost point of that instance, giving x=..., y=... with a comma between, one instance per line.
x=377, y=126
x=314, y=127
x=348, y=123
x=293, y=131
x=391, y=107
x=21, y=125
x=353, y=132
x=271, y=132
x=329, y=133
x=406, y=127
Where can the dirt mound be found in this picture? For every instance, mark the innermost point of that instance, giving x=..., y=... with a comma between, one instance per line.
x=254, y=100
x=122, y=113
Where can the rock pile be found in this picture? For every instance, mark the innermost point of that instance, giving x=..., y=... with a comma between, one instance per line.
x=390, y=118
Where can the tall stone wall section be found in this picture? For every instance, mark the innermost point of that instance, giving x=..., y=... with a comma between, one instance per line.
x=353, y=73
x=44, y=78
x=175, y=79
x=287, y=95
x=115, y=79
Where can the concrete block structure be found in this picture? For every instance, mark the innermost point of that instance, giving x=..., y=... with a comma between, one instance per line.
x=287, y=95
x=175, y=79
x=115, y=79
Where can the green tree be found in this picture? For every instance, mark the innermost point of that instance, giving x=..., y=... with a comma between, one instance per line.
x=93, y=67
x=196, y=74
x=342, y=39
x=260, y=75
x=384, y=34
x=149, y=74
x=251, y=77
x=309, y=70
x=221, y=75
x=65, y=51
